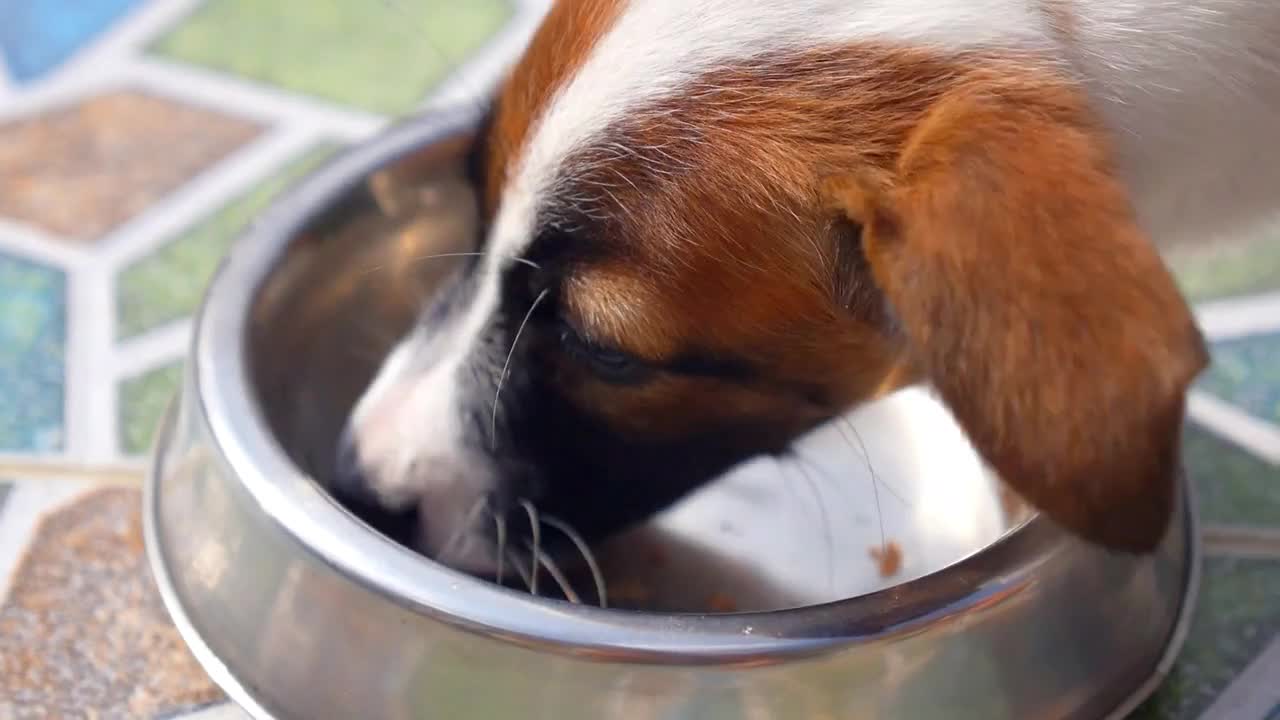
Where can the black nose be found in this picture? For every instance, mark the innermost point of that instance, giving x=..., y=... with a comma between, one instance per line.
x=349, y=481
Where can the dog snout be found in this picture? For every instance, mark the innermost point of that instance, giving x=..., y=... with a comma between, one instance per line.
x=350, y=482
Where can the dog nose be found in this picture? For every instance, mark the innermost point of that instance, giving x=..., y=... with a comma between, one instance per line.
x=349, y=480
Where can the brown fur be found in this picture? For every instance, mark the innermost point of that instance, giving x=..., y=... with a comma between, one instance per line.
x=999, y=259
x=560, y=45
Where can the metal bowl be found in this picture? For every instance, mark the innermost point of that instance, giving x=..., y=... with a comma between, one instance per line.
x=298, y=608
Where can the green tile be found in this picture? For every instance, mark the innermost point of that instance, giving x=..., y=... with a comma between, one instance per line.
x=169, y=284
x=1224, y=269
x=1234, y=486
x=141, y=401
x=380, y=56
x=1235, y=619
x=1246, y=373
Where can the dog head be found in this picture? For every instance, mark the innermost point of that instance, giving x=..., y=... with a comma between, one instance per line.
x=712, y=226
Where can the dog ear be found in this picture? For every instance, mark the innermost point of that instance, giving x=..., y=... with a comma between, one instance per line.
x=1029, y=297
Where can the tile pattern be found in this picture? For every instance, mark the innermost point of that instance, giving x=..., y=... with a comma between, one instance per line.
x=383, y=56
x=1234, y=486
x=142, y=400
x=82, y=626
x=33, y=339
x=79, y=171
x=168, y=284
x=1246, y=372
x=1237, y=616
x=37, y=37
x=1230, y=268
x=110, y=217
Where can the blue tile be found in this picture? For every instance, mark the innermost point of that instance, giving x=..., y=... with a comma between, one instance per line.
x=37, y=36
x=1246, y=373
x=33, y=339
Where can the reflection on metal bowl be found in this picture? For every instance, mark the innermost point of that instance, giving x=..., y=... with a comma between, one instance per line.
x=301, y=609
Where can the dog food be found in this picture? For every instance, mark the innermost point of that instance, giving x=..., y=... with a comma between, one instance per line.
x=888, y=557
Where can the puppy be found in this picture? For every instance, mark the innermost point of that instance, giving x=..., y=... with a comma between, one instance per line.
x=711, y=226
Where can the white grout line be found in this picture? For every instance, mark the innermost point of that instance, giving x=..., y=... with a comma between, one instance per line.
x=23, y=509
x=1254, y=693
x=1253, y=434
x=203, y=195
x=225, y=711
x=128, y=35
x=34, y=244
x=150, y=350
x=1240, y=317
x=96, y=67
x=227, y=93
x=42, y=466
x=1241, y=541
x=75, y=81
x=478, y=75
x=90, y=394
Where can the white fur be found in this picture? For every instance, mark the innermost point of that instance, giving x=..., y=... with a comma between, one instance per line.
x=1190, y=89
x=654, y=49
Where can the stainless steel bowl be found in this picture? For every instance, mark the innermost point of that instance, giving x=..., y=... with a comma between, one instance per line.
x=299, y=609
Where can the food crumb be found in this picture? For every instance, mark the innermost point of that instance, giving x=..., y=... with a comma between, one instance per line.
x=721, y=603
x=629, y=594
x=888, y=557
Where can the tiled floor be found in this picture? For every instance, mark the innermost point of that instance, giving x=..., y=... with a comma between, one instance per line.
x=137, y=137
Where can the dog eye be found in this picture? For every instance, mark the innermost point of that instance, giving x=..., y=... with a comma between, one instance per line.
x=610, y=364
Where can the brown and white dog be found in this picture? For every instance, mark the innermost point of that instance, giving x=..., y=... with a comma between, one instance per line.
x=712, y=225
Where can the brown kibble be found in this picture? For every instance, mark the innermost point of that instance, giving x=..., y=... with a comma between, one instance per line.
x=888, y=557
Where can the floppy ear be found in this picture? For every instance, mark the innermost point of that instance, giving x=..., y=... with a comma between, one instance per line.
x=1032, y=301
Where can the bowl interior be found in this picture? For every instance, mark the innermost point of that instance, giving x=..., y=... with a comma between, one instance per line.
x=889, y=493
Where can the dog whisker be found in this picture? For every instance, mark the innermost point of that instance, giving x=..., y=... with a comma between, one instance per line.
x=521, y=571
x=866, y=458
x=541, y=558
x=473, y=514
x=436, y=256
x=502, y=376
x=514, y=258
x=596, y=575
x=535, y=530
x=875, y=485
x=812, y=486
x=500, y=528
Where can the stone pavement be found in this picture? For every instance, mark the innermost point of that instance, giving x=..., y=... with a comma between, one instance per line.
x=137, y=137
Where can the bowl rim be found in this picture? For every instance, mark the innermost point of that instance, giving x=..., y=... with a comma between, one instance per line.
x=220, y=376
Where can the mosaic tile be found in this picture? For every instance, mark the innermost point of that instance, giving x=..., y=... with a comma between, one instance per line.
x=1234, y=486
x=1235, y=619
x=1246, y=373
x=169, y=284
x=37, y=37
x=83, y=632
x=33, y=336
x=1227, y=268
x=142, y=399
x=79, y=171
x=380, y=56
